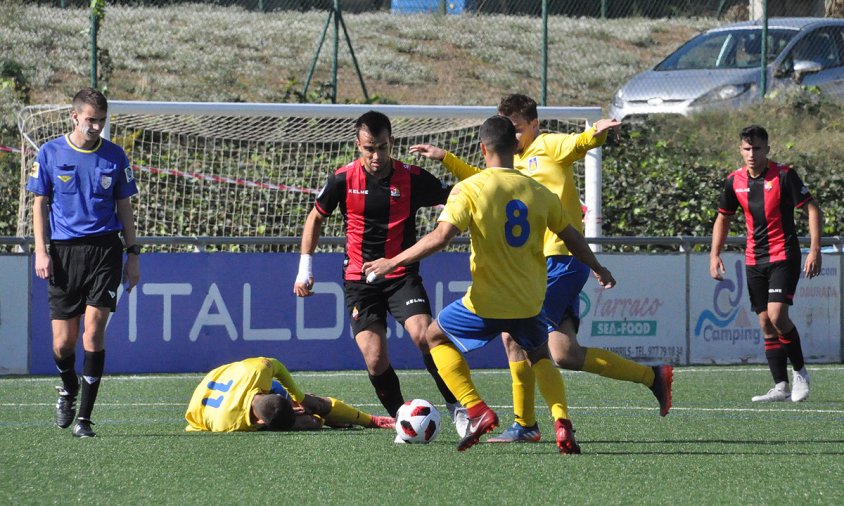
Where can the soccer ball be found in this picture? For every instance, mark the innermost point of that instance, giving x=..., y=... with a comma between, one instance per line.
x=417, y=421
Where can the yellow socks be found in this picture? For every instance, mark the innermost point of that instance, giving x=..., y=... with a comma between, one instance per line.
x=455, y=373
x=608, y=364
x=524, y=384
x=343, y=413
x=552, y=388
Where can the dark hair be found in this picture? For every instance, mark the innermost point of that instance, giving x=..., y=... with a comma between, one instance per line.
x=499, y=135
x=275, y=411
x=374, y=121
x=519, y=104
x=92, y=97
x=754, y=132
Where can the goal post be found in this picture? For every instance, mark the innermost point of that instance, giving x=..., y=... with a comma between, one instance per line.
x=252, y=170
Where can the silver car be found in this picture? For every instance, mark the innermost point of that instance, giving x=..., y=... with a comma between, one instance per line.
x=720, y=68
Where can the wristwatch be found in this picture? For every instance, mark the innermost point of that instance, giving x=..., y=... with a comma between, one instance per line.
x=134, y=249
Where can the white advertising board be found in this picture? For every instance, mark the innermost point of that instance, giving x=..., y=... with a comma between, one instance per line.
x=644, y=317
x=723, y=329
x=14, y=314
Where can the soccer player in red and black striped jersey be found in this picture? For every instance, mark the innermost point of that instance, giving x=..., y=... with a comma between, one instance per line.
x=378, y=197
x=768, y=192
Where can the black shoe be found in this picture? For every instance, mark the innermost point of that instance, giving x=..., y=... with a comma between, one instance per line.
x=83, y=428
x=65, y=408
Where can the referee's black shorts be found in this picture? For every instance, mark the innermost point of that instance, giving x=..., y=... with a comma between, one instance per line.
x=86, y=272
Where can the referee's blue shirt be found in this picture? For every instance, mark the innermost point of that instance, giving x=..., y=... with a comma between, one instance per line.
x=83, y=186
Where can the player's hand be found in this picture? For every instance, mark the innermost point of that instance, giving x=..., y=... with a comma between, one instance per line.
x=812, y=268
x=304, y=288
x=716, y=267
x=43, y=265
x=132, y=271
x=605, y=277
x=428, y=151
x=378, y=269
x=603, y=125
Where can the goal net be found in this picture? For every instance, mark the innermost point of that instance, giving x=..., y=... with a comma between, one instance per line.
x=243, y=177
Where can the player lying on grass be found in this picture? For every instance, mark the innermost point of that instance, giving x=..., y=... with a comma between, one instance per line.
x=507, y=214
x=548, y=158
x=242, y=396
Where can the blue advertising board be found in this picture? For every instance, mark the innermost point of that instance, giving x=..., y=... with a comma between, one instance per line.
x=194, y=311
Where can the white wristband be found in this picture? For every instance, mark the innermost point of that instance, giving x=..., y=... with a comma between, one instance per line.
x=305, y=268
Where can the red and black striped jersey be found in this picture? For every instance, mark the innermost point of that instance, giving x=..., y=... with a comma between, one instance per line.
x=379, y=215
x=768, y=202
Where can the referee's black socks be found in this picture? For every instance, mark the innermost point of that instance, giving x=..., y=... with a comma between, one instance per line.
x=67, y=372
x=92, y=371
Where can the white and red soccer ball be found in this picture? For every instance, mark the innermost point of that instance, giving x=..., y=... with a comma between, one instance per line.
x=417, y=421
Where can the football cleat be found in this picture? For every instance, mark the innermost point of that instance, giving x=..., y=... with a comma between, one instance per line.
x=663, y=378
x=478, y=426
x=800, y=385
x=382, y=422
x=564, y=433
x=83, y=428
x=518, y=433
x=399, y=441
x=460, y=417
x=779, y=393
x=65, y=408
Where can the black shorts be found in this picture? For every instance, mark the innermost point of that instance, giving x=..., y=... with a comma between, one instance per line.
x=86, y=272
x=774, y=282
x=368, y=303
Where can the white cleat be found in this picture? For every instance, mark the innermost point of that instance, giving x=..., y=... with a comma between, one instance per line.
x=779, y=393
x=399, y=440
x=800, y=381
x=460, y=416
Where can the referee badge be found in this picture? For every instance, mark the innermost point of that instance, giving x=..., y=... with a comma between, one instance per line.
x=105, y=182
x=34, y=171
x=130, y=175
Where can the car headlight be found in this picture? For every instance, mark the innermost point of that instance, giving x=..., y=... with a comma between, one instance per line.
x=617, y=101
x=727, y=92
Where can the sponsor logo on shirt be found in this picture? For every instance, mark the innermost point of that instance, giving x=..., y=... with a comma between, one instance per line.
x=414, y=301
x=105, y=182
x=65, y=179
x=742, y=190
x=774, y=290
x=355, y=191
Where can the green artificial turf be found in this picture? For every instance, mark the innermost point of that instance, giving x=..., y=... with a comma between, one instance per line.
x=714, y=447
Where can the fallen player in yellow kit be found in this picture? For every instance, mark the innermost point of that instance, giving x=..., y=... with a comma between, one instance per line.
x=242, y=396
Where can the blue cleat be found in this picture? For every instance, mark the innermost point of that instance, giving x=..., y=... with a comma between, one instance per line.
x=517, y=433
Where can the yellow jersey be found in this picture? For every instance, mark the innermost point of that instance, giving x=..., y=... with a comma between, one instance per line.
x=222, y=402
x=507, y=214
x=548, y=160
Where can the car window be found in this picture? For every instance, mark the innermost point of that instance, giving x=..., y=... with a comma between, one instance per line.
x=727, y=49
x=820, y=46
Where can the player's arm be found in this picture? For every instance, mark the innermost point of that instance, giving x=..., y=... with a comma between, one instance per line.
x=460, y=169
x=40, y=211
x=132, y=269
x=719, y=237
x=812, y=266
x=580, y=250
x=310, y=238
x=283, y=376
x=432, y=242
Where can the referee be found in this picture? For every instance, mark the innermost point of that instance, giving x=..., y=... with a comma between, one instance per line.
x=83, y=186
